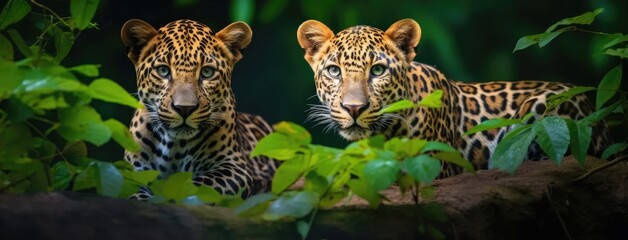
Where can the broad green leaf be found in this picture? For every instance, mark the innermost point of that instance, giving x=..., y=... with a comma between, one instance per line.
x=109, y=91
x=292, y=204
x=555, y=100
x=615, y=148
x=110, y=179
x=11, y=78
x=608, y=86
x=209, y=195
x=294, y=131
x=276, y=145
x=433, y=100
x=579, y=139
x=615, y=39
x=13, y=12
x=89, y=70
x=548, y=37
x=527, y=41
x=380, y=174
x=303, y=228
x=405, y=147
x=6, y=49
x=255, y=204
x=63, y=43
x=492, y=124
x=316, y=183
x=423, y=168
x=398, y=106
x=584, y=19
x=242, y=10
x=513, y=149
x=617, y=52
x=178, y=186
x=128, y=188
x=406, y=182
x=15, y=142
x=39, y=179
x=552, y=135
x=437, y=146
x=288, y=173
x=362, y=189
x=83, y=123
x=376, y=141
x=61, y=176
x=455, y=158
x=600, y=114
x=74, y=151
x=141, y=177
x=20, y=43
x=82, y=12
x=86, y=178
x=122, y=135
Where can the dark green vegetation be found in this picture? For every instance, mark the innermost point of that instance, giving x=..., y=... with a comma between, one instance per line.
x=52, y=68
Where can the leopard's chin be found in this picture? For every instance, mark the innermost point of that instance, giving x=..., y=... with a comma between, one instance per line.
x=183, y=132
x=354, y=133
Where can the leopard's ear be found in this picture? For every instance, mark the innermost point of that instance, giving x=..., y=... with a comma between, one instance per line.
x=135, y=34
x=311, y=35
x=406, y=34
x=237, y=36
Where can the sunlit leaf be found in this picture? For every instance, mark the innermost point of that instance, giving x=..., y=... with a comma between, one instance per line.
x=287, y=173
x=178, y=186
x=492, y=124
x=618, y=52
x=121, y=134
x=613, y=149
x=555, y=100
x=363, y=189
x=405, y=147
x=527, y=41
x=292, y=204
x=423, y=168
x=584, y=19
x=255, y=204
x=141, y=177
x=380, y=174
x=455, y=158
x=82, y=12
x=294, y=131
x=437, y=146
x=552, y=135
x=13, y=11
x=579, y=139
x=110, y=179
x=608, y=86
x=598, y=115
x=513, y=149
x=209, y=195
x=433, y=100
x=276, y=145
x=398, y=106
x=83, y=123
x=109, y=91
x=90, y=70
x=615, y=39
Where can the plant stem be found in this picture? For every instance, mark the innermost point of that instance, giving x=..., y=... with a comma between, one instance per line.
x=599, y=168
x=15, y=183
x=51, y=12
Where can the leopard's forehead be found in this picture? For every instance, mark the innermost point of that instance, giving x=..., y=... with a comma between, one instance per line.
x=186, y=42
x=359, y=36
x=357, y=43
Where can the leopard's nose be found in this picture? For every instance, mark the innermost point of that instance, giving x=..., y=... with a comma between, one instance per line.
x=184, y=110
x=355, y=109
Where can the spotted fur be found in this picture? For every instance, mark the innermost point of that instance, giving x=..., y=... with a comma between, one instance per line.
x=189, y=122
x=363, y=69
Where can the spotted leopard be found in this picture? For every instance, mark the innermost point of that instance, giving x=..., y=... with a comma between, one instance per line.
x=189, y=122
x=363, y=69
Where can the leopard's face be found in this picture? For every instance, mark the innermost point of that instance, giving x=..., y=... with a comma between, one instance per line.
x=358, y=72
x=184, y=73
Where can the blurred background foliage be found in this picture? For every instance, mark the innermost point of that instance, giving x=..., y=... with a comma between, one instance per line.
x=469, y=41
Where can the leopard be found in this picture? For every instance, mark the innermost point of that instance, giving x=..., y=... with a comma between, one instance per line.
x=188, y=122
x=362, y=69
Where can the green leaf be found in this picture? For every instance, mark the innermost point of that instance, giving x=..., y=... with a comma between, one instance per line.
x=585, y=19
x=558, y=99
x=438, y=146
x=423, y=168
x=63, y=43
x=110, y=179
x=276, y=145
x=11, y=78
x=433, y=100
x=20, y=43
x=288, y=173
x=613, y=149
x=617, y=52
x=61, y=176
x=579, y=139
x=362, y=189
x=600, y=114
x=179, y=186
x=141, y=177
x=89, y=70
x=13, y=12
x=615, y=39
x=86, y=178
x=405, y=147
x=6, y=49
x=380, y=174
x=608, y=86
x=255, y=204
x=548, y=37
x=16, y=140
x=527, y=41
x=82, y=12
x=552, y=134
x=109, y=91
x=242, y=10
x=209, y=195
x=294, y=131
x=122, y=135
x=398, y=106
x=303, y=228
x=455, y=158
x=492, y=124
x=83, y=123
x=513, y=149
x=292, y=204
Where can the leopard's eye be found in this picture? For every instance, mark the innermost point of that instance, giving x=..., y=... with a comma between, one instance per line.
x=333, y=71
x=377, y=70
x=163, y=71
x=207, y=72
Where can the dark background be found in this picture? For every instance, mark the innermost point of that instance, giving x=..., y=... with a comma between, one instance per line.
x=470, y=41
